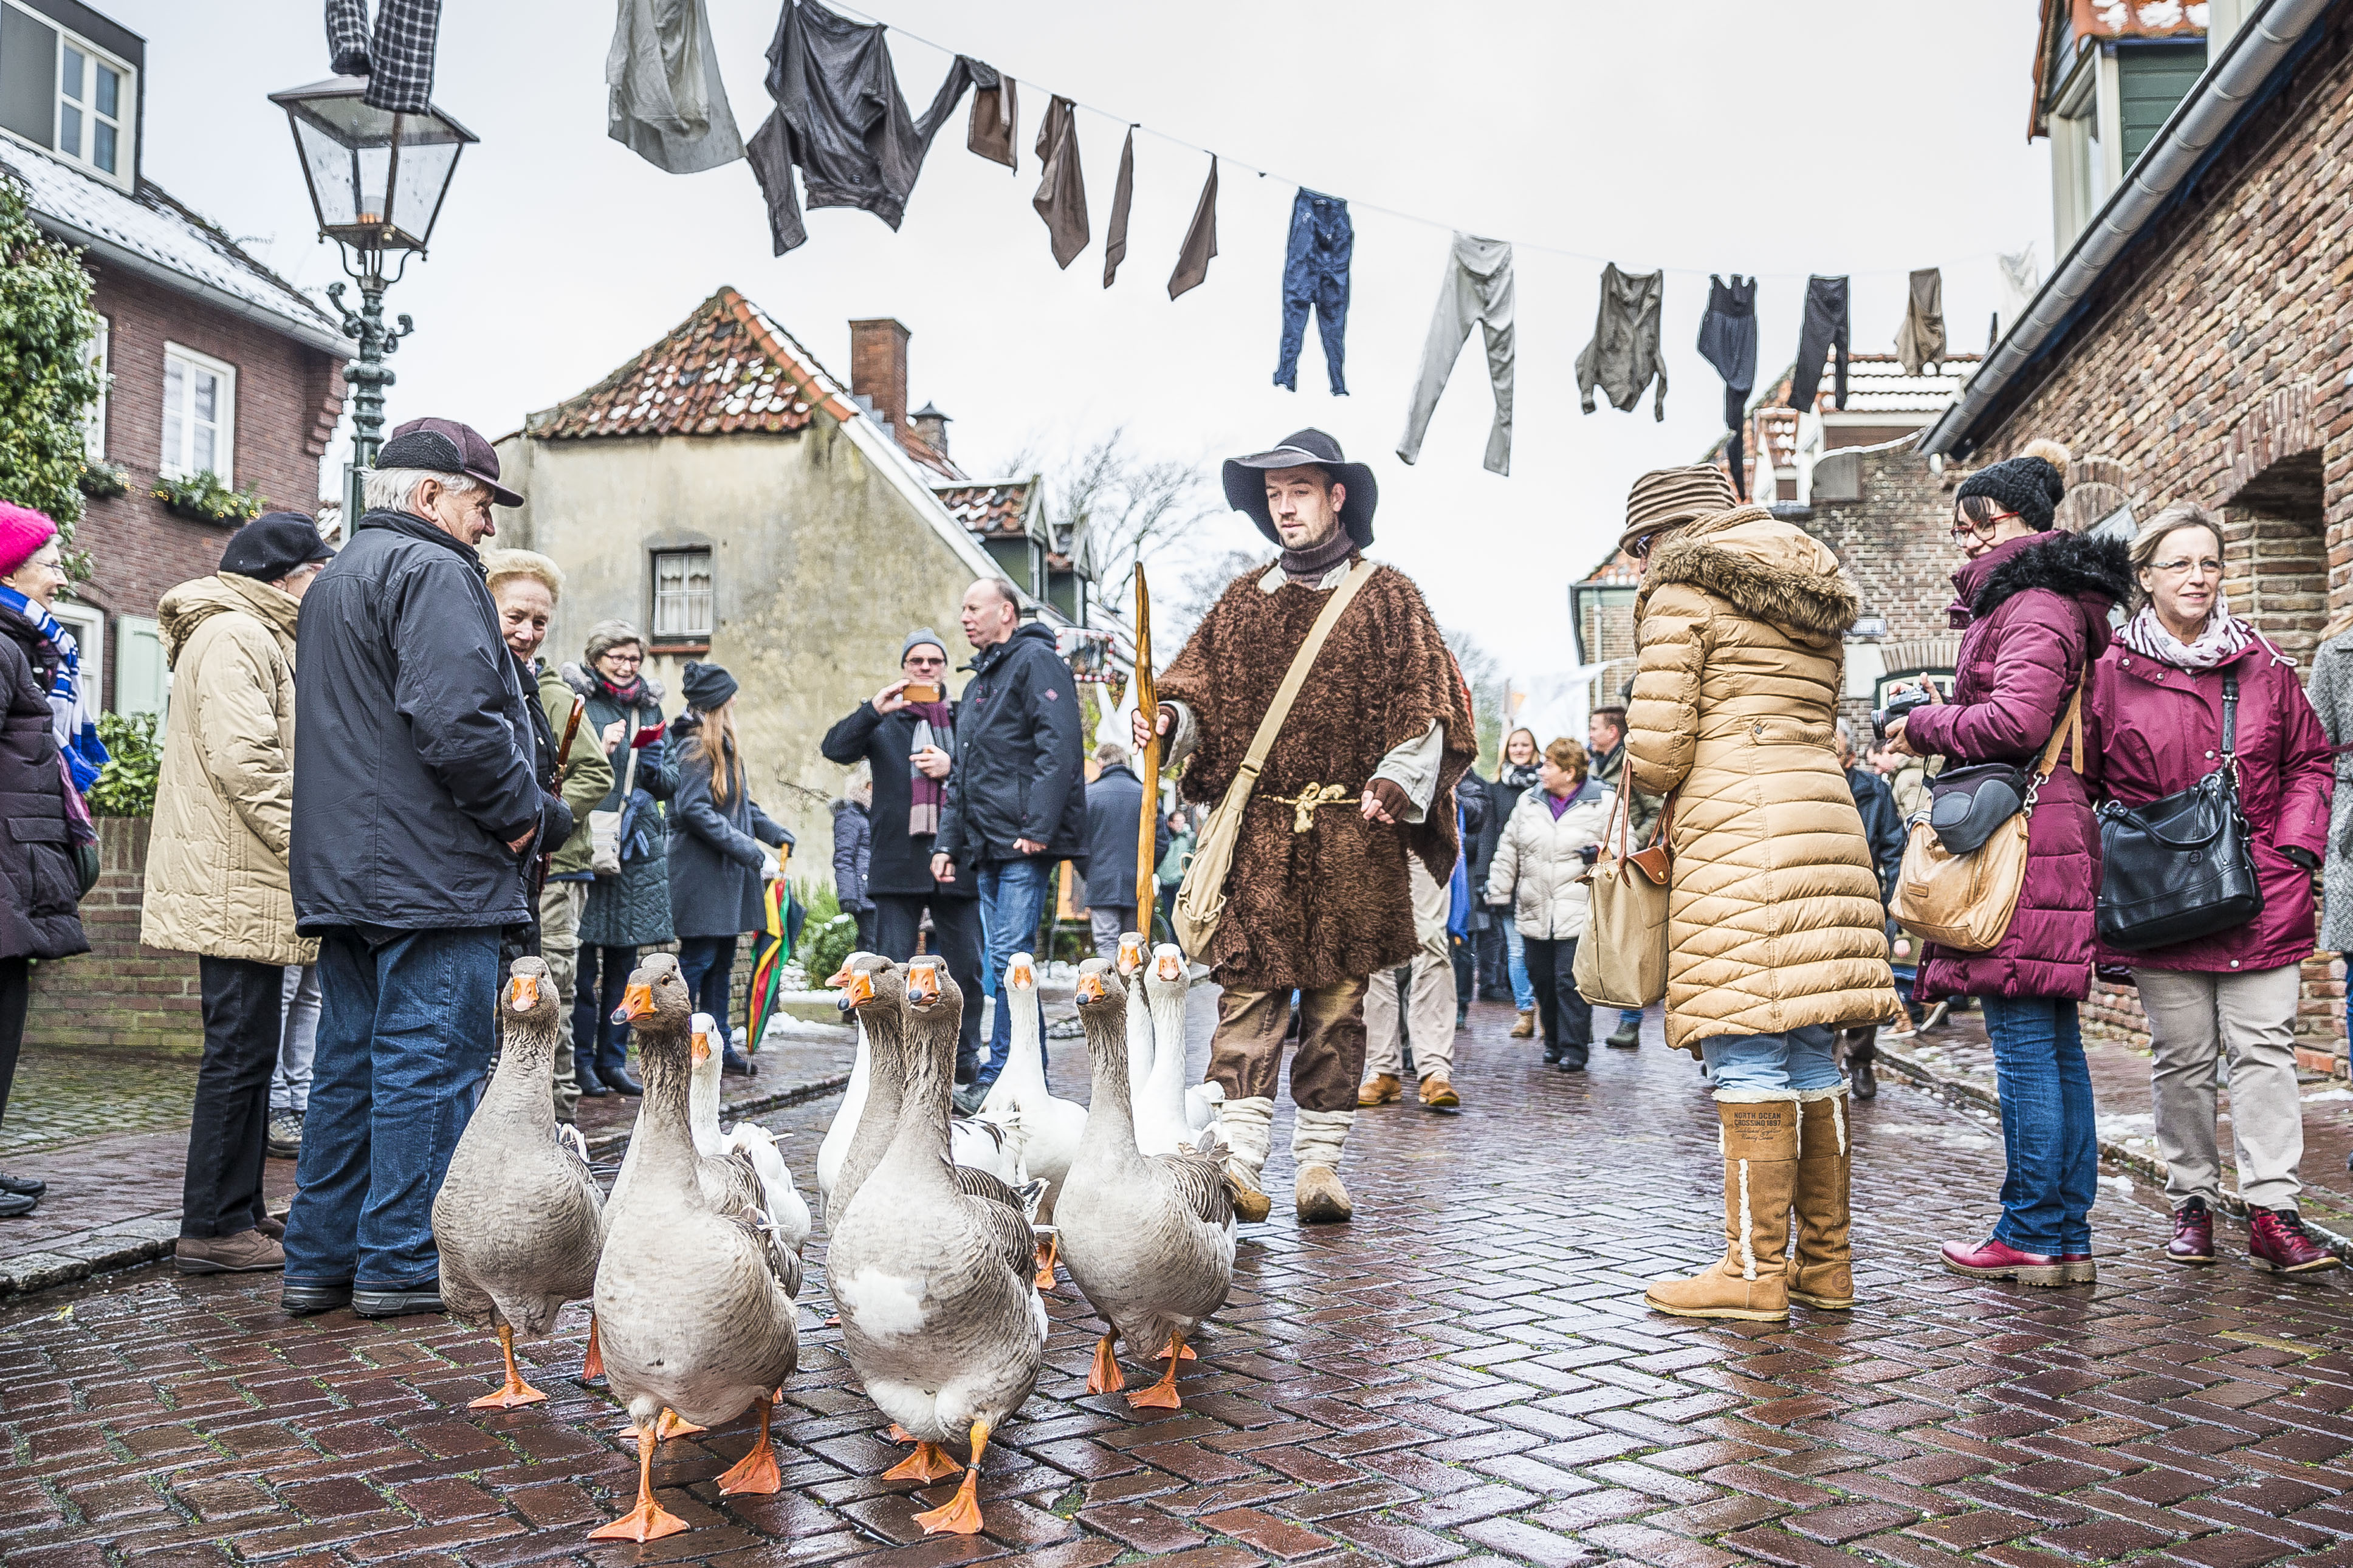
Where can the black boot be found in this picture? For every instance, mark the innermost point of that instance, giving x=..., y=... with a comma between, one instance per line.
x=1552, y=1056
x=1861, y=1059
x=613, y=1066
x=732, y=1060
x=584, y=1067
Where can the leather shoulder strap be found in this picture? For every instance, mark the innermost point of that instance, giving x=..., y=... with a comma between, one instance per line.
x=1296, y=677
x=2230, y=712
x=2070, y=728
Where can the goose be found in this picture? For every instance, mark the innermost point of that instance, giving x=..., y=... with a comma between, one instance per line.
x=1149, y=1238
x=1045, y=1129
x=1172, y=1114
x=516, y=1219
x=939, y=1313
x=694, y=1308
x=1134, y=955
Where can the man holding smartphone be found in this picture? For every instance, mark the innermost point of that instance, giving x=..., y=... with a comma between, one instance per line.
x=906, y=735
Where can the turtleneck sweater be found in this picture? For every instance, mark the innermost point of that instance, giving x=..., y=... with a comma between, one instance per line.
x=1308, y=566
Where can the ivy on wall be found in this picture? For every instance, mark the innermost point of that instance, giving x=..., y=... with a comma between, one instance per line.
x=48, y=381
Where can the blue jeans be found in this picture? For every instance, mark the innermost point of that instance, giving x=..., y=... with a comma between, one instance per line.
x=1800, y=1059
x=2049, y=1135
x=1516, y=950
x=1012, y=901
x=404, y=1040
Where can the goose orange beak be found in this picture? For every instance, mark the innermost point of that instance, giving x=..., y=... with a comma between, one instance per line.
x=841, y=976
x=924, y=983
x=1131, y=953
x=1171, y=967
x=701, y=1046
x=1092, y=987
x=857, y=985
x=1020, y=971
x=523, y=993
x=637, y=1003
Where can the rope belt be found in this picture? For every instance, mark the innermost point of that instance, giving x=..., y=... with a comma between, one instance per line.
x=1310, y=798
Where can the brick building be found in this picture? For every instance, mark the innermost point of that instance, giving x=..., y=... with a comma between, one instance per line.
x=215, y=364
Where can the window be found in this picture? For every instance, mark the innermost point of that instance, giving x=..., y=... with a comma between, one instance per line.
x=90, y=109
x=93, y=423
x=682, y=595
x=143, y=679
x=62, y=92
x=199, y=415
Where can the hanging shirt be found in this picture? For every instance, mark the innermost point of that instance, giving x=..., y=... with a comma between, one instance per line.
x=1477, y=288
x=1624, y=354
x=664, y=101
x=1315, y=274
x=1062, y=198
x=1921, y=338
x=398, y=62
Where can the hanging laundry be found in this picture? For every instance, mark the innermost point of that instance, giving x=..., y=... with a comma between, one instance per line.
x=1727, y=340
x=2020, y=280
x=1316, y=272
x=1921, y=338
x=398, y=62
x=664, y=99
x=1624, y=353
x=1825, y=329
x=1062, y=198
x=1477, y=289
x=1200, y=240
x=1123, y=192
x=996, y=116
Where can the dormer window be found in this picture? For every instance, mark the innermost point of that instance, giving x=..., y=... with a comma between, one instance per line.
x=65, y=92
x=90, y=109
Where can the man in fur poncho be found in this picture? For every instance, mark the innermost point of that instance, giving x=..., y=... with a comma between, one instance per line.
x=1360, y=777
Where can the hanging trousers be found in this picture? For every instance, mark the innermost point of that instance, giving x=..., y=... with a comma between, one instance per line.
x=1825, y=330
x=1727, y=340
x=1920, y=341
x=1477, y=289
x=1316, y=273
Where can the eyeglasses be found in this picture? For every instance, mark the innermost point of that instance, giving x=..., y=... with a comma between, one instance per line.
x=627, y=659
x=923, y=660
x=1964, y=529
x=2185, y=567
x=1640, y=549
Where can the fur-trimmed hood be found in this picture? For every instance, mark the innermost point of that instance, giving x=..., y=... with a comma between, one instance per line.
x=1767, y=568
x=2079, y=567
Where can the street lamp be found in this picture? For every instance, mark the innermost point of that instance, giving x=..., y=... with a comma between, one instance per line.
x=376, y=180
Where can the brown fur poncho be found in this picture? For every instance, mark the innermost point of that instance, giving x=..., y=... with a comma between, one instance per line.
x=1335, y=904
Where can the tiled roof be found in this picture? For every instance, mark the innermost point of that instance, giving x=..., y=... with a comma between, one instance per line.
x=726, y=368
x=1875, y=383
x=998, y=509
x=151, y=227
x=1618, y=570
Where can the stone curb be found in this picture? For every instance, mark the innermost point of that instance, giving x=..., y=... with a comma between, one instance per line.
x=1956, y=1089
x=127, y=1244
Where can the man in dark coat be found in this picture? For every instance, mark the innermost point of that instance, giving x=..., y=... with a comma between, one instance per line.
x=417, y=819
x=1114, y=820
x=1882, y=825
x=909, y=746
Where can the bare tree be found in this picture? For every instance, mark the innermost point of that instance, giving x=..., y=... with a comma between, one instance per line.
x=1484, y=675
x=1176, y=614
x=1110, y=507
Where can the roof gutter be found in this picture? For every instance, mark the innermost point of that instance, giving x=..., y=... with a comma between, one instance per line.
x=2197, y=123
x=319, y=335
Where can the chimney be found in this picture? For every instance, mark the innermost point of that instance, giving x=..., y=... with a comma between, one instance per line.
x=931, y=427
x=877, y=369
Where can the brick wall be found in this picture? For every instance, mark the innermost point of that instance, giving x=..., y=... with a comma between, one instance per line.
x=119, y=993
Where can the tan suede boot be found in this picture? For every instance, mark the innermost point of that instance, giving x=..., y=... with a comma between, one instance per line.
x=1526, y=1028
x=1381, y=1088
x=1821, y=1275
x=1760, y=1164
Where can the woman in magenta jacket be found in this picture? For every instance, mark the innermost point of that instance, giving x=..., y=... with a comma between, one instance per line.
x=2035, y=605
x=2153, y=726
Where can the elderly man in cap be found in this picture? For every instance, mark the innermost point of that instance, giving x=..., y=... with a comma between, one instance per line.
x=1356, y=786
x=417, y=813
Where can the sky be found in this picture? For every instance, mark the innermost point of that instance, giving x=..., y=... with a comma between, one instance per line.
x=1865, y=137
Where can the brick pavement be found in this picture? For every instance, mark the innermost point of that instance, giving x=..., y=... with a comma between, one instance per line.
x=1465, y=1375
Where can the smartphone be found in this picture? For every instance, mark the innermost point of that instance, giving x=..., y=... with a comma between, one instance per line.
x=921, y=691
x=646, y=736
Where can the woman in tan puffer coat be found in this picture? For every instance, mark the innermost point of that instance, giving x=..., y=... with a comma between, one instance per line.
x=1774, y=931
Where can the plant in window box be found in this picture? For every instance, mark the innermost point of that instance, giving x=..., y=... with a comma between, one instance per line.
x=126, y=786
x=201, y=497
x=102, y=481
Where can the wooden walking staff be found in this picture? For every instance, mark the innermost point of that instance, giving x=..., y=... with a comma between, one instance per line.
x=1147, y=704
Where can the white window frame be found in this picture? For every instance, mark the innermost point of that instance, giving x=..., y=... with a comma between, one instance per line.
x=88, y=623
x=174, y=465
x=664, y=633
x=93, y=425
x=126, y=117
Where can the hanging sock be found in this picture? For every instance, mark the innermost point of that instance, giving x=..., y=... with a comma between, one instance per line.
x=1316, y=272
x=1062, y=198
x=1477, y=288
x=664, y=101
x=1825, y=330
x=1624, y=354
x=1122, y=192
x=996, y=116
x=1727, y=340
x=1921, y=338
x=1200, y=240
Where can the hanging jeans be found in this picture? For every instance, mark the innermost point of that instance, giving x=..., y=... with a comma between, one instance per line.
x=1316, y=272
x=1727, y=340
x=1825, y=330
x=1477, y=289
x=2049, y=1136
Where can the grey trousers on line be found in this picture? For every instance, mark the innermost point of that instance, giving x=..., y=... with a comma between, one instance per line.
x=1476, y=291
x=2193, y=1017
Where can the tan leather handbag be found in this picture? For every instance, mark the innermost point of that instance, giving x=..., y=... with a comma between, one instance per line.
x=1966, y=902
x=1621, y=962
x=1202, y=897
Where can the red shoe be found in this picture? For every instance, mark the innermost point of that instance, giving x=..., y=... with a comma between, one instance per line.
x=1993, y=1260
x=2277, y=1240
x=2193, y=1233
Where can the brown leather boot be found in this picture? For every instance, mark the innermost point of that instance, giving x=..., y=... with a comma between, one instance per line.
x=1526, y=1029
x=1382, y=1088
x=1823, y=1274
x=1761, y=1167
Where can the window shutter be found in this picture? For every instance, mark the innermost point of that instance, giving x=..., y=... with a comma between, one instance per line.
x=29, y=76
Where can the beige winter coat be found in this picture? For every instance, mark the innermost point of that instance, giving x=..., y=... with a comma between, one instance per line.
x=1774, y=920
x=1537, y=866
x=216, y=881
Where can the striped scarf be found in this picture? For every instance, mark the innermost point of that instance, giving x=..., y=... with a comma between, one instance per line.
x=2224, y=634
x=84, y=752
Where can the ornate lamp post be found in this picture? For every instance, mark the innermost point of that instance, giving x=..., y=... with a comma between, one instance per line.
x=377, y=181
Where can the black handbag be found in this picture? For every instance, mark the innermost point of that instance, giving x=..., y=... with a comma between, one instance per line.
x=2179, y=868
x=1966, y=804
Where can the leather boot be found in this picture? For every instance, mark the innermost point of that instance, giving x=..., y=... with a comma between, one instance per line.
x=1381, y=1088
x=1861, y=1058
x=1317, y=1138
x=1760, y=1167
x=1526, y=1029
x=1248, y=1125
x=1822, y=1273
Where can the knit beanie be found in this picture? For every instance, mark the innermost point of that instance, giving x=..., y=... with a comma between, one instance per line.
x=917, y=639
x=22, y=532
x=1669, y=497
x=706, y=687
x=2029, y=485
x=606, y=635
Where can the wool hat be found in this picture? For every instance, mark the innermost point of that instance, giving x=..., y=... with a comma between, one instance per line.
x=706, y=687
x=274, y=545
x=917, y=639
x=446, y=446
x=1246, y=484
x=1669, y=497
x=2032, y=485
x=606, y=635
x=22, y=532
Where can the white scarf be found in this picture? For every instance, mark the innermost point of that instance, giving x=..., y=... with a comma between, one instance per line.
x=2223, y=636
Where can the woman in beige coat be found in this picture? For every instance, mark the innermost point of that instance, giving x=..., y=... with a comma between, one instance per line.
x=217, y=864
x=1774, y=930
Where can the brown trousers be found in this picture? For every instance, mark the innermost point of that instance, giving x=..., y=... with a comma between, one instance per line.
x=1246, y=1053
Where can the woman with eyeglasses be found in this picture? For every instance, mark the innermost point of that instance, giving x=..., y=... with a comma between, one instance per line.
x=2153, y=723
x=2034, y=602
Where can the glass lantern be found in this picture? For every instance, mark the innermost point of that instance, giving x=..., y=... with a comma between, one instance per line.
x=376, y=178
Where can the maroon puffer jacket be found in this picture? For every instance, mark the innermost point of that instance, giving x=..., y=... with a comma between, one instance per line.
x=2152, y=730
x=2037, y=614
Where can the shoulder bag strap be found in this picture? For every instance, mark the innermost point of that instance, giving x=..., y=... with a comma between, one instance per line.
x=629, y=769
x=1296, y=677
x=2231, y=718
x=2070, y=729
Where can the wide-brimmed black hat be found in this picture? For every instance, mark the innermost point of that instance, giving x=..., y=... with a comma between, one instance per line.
x=1246, y=491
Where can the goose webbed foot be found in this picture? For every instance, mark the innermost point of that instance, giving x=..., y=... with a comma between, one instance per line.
x=648, y=1521
x=960, y=1515
x=1049, y=1250
x=928, y=1463
x=1161, y=1396
x=1104, y=1376
x=515, y=1391
x=592, y=1365
x=757, y=1470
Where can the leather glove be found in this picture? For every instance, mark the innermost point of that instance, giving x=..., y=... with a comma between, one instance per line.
x=1392, y=796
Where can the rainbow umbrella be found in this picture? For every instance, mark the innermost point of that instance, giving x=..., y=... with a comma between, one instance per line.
x=767, y=968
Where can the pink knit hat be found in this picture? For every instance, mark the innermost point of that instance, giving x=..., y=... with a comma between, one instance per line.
x=23, y=530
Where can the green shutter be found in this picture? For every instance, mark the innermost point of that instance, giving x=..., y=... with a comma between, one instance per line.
x=2152, y=78
x=141, y=679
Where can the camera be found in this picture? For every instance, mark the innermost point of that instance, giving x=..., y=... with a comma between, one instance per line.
x=1900, y=704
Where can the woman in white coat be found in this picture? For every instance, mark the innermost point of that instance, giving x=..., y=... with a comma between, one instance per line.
x=1548, y=844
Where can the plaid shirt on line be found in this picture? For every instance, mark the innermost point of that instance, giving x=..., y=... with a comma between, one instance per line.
x=399, y=63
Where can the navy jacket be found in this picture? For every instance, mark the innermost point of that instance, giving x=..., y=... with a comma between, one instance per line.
x=715, y=857
x=415, y=766
x=1114, y=817
x=1020, y=772
x=1882, y=825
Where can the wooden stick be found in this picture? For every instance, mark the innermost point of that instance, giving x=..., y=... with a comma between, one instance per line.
x=1147, y=702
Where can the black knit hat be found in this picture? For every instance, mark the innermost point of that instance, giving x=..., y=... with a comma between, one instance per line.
x=706, y=687
x=2030, y=487
x=274, y=545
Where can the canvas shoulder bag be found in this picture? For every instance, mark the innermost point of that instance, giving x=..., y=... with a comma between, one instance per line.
x=2181, y=868
x=1622, y=960
x=1202, y=897
x=1966, y=902
x=605, y=827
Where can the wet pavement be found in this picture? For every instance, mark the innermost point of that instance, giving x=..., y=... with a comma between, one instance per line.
x=1465, y=1375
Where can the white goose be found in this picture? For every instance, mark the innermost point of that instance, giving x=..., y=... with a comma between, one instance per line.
x=747, y=1141
x=1045, y=1129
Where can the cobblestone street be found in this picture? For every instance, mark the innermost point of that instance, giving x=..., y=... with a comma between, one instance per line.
x=1465, y=1375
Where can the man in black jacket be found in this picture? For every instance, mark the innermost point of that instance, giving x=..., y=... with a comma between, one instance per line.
x=1016, y=799
x=417, y=814
x=1883, y=826
x=1115, y=823
x=910, y=747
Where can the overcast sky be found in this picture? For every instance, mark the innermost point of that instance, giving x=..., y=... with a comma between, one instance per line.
x=1866, y=137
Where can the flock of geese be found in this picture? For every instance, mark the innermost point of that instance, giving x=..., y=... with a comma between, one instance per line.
x=942, y=1230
